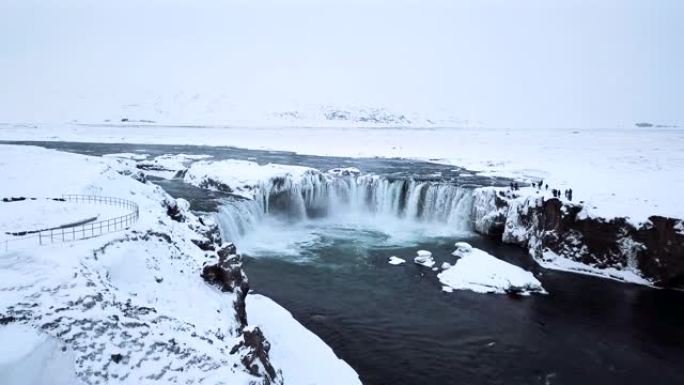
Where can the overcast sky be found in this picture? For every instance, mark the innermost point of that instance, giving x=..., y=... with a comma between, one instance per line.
x=505, y=63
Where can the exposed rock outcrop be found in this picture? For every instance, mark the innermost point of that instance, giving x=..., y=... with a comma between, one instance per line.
x=228, y=275
x=662, y=256
x=255, y=348
x=177, y=209
x=655, y=250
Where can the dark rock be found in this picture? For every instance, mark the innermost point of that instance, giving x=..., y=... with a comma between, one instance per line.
x=592, y=241
x=140, y=177
x=226, y=251
x=228, y=275
x=257, y=349
x=7, y=320
x=117, y=358
x=204, y=244
x=514, y=292
x=13, y=199
x=211, y=233
x=174, y=211
x=662, y=257
x=151, y=167
x=656, y=249
x=209, y=183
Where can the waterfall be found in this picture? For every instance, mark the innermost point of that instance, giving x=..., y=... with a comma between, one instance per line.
x=318, y=195
x=238, y=217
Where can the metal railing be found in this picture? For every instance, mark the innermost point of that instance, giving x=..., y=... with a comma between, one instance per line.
x=80, y=231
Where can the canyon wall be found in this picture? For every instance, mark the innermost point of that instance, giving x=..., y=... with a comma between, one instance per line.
x=552, y=227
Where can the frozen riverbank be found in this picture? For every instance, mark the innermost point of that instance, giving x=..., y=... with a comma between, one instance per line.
x=617, y=172
x=130, y=307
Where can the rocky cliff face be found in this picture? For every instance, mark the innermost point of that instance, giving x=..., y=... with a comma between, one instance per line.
x=655, y=250
x=228, y=275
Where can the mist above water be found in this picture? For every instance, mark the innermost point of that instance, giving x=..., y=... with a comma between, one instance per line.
x=289, y=217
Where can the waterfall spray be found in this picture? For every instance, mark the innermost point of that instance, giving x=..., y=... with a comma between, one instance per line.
x=318, y=195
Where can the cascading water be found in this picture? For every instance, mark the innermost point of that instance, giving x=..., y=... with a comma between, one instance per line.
x=317, y=195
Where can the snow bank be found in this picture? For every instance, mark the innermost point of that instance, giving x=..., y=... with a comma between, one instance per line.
x=292, y=345
x=551, y=260
x=127, y=155
x=169, y=165
x=481, y=272
x=241, y=177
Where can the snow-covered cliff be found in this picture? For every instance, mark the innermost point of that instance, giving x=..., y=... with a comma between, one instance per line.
x=131, y=307
x=562, y=235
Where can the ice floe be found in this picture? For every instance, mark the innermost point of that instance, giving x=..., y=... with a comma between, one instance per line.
x=481, y=272
x=424, y=258
x=396, y=260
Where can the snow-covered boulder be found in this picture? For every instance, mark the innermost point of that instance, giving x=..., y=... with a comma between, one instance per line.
x=481, y=272
x=462, y=247
x=424, y=258
x=396, y=260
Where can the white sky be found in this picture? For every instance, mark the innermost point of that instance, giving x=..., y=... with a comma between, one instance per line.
x=523, y=63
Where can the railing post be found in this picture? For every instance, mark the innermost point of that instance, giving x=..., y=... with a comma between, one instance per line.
x=51, y=237
x=40, y=238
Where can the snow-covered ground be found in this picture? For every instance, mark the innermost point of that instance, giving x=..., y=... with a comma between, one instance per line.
x=242, y=177
x=128, y=307
x=29, y=357
x=634, y=172
x=45, y=213
x=163, y=166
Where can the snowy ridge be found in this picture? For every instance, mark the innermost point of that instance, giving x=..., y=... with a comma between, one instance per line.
x=331, y=116
x=130, y=307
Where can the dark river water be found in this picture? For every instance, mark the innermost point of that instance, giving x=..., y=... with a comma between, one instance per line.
x=394, y=325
